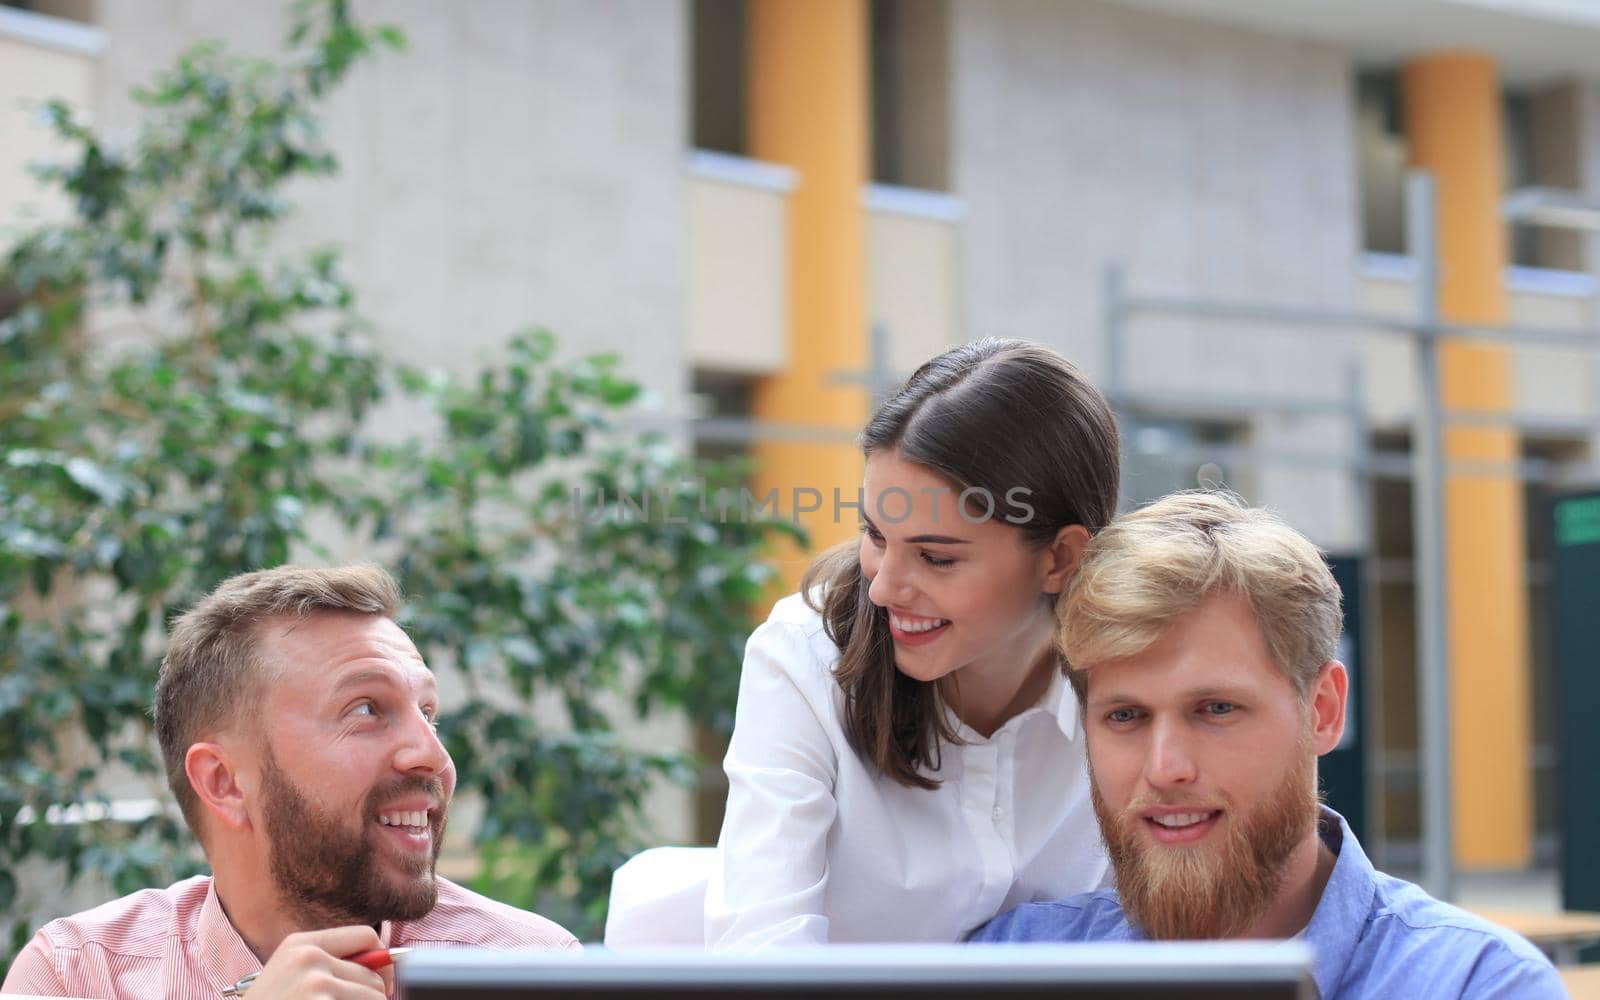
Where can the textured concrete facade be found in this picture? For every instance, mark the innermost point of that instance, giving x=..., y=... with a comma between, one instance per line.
x=520, y=163
x=1207, y=159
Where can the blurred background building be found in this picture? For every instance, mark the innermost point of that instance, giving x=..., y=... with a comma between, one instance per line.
x=774, y=209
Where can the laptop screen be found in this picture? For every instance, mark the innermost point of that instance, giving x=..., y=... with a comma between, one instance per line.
x=1128, y=971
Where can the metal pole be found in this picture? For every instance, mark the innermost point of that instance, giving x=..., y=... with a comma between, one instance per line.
x=1370, y=698
x=1111, y=310
x=880, y=370
x=1427, y=518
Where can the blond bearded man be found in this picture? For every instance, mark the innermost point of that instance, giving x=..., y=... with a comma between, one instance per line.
x=1202, y=637
x=297, y=724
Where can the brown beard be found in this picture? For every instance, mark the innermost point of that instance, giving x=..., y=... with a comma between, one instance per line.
x=325, y=871
x=1201, y=892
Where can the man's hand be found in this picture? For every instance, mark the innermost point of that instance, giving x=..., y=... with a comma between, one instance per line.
x=310, y=966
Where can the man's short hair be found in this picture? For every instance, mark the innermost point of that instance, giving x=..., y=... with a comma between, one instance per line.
x=1154, y=565
x=212, y=670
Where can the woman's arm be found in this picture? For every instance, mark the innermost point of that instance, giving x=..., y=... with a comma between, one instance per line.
x=771, y=875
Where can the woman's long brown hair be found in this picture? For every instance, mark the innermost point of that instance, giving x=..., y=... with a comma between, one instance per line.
x=994, y=414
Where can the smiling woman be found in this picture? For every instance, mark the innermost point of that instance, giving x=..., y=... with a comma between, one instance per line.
x=906, y=760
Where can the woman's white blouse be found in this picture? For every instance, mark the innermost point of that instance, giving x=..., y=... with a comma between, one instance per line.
x=816, y=846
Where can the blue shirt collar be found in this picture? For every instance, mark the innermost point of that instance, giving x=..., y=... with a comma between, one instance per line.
x=1341, y=914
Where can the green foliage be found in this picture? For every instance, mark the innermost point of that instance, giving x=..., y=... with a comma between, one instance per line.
x=230, y=404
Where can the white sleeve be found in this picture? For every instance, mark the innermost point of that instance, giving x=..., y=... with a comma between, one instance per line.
x=771, y=875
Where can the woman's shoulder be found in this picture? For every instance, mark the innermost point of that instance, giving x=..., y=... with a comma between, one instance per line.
x=799, y=610
x=788, y=678
x=796, y=634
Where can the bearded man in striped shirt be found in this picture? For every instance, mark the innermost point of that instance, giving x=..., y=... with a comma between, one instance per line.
x=297, y=724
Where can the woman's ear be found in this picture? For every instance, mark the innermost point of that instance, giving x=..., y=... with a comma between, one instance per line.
x=1063, y=556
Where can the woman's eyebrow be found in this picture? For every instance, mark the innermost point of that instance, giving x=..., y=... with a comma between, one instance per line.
x=923, y=539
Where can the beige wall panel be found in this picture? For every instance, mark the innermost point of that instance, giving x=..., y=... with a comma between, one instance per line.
x=1549, y=383
x=738, y=278
x=913, y=288
x=1388, y=370
x=31, y=73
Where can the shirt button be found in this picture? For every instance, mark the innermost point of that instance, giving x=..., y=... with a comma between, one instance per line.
x=998, y=812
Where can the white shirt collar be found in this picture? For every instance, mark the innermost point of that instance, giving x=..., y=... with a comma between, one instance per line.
x=1063, y=701
x=1058, y=700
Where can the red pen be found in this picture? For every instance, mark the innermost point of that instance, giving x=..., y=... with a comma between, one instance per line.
x=373, y=959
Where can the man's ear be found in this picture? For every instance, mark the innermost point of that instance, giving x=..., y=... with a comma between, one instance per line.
x=1065, y=552
x=213, y=774
x=1328, y=694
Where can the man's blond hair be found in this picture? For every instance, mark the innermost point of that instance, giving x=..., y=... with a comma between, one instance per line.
x=1154, y=565
x=213, y=671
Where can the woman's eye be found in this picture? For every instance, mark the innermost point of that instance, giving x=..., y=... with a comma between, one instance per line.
x=933, y=560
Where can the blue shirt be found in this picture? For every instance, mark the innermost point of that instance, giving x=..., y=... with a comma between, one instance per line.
x=1374, y=935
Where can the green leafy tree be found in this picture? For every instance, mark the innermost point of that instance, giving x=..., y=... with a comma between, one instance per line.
x=139, y=471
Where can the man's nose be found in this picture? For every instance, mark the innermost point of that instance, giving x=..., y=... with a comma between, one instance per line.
x=421, y=750
x=1171, y=761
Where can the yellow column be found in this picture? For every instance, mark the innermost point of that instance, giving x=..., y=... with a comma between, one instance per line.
x=1452, y=122
x=808, y=100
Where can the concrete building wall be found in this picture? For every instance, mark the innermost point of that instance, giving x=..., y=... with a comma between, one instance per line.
x=521, y=163
x=1208, y=159
x=41, y=59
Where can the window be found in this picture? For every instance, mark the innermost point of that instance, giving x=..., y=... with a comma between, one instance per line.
x=910, y=94
x=1381, y=148
x=717, y=58
x=1541, y=129
x=908, y=52
x=1538, y=132
x=81, y=11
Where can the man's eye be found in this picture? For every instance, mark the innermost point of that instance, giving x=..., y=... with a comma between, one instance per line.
x=1121, y=715
x=1220, y=707
x=365, y=708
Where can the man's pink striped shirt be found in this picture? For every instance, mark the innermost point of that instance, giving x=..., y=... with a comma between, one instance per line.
x=176, y=943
